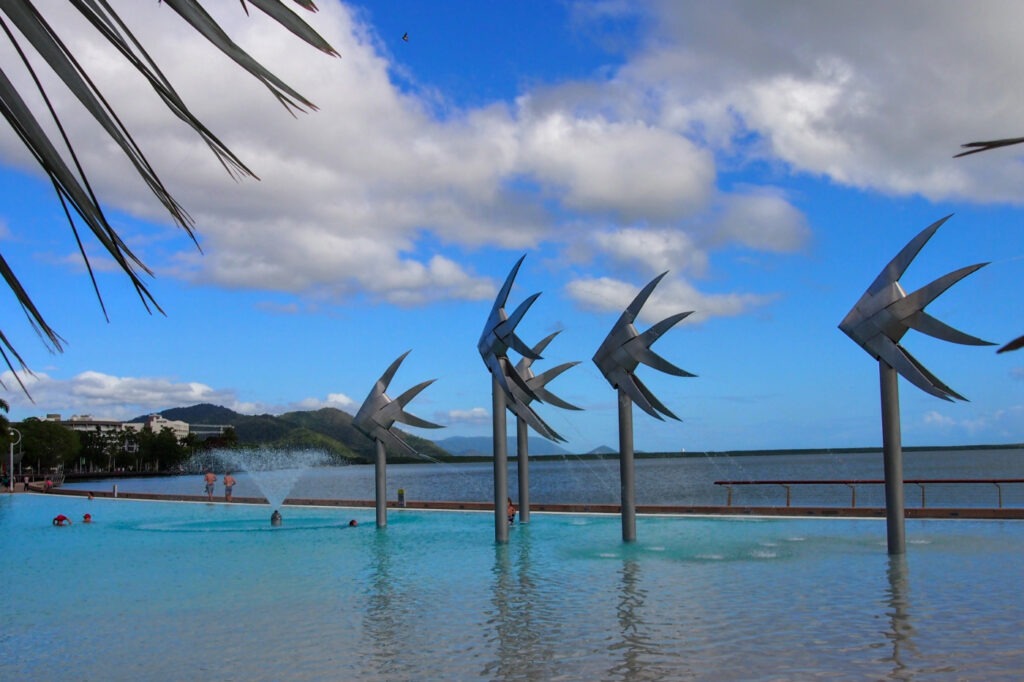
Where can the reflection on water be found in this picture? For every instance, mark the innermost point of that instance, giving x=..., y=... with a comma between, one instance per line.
x=901, y=632
x=387, y=613
x=431, y=597
x=520, y=616
x=640, y=650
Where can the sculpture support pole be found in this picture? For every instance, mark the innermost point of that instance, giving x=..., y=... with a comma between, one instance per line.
x=523, y=459
x=500, y=434
x=892, y=453
x=626, y=467
x=380, y=471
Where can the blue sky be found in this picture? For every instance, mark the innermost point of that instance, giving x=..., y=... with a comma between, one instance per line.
x=772, y=157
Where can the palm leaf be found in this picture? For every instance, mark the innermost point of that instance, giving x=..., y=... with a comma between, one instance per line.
x=69, y=178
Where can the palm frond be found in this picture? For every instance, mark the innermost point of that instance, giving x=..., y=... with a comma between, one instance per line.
x=56, y=155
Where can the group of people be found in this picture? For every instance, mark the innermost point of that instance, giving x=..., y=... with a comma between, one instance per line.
x=211, y=481
x=61, y=520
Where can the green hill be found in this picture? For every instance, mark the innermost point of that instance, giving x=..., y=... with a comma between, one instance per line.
x=327, y=429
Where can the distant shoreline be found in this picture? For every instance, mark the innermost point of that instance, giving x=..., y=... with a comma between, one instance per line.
x=473, y=459
x=746, y=453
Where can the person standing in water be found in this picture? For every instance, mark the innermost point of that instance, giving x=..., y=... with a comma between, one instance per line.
x=229, y=484
x=211, y=480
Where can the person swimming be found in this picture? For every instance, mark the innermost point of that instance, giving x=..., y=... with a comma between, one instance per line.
x=275, y=518
x=61, y=520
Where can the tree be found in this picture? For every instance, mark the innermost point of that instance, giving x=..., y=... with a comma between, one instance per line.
x=48, y=444
x=27, y=29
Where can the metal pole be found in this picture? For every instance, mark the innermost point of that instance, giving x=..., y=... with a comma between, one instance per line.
x=500, y=434
x=10, y=466
x=523, y=459
x=626, y=467
x=381, y=477
x=892, y=453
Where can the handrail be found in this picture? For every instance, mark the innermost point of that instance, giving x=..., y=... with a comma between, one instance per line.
x=852, y=483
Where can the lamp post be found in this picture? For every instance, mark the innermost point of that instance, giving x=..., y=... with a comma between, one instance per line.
x=10, y=460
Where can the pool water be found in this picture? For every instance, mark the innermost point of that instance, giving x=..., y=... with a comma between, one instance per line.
x=175, y=591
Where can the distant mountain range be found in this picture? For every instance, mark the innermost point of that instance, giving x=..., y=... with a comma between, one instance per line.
x=331, y=430
x=327, y=429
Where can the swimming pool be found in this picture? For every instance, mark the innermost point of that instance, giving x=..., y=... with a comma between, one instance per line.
x=172, y=591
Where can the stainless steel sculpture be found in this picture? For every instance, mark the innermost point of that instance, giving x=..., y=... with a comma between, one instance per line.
x=537, y=383
x=622, y=351
x=1016, y=344
x=984, y=146
x=877, y=323
x=508, y=389
x=375, y=418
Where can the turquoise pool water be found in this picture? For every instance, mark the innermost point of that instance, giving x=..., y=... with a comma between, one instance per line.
x=181, y=591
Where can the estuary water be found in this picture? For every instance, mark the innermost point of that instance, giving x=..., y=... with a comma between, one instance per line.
x=676, y=481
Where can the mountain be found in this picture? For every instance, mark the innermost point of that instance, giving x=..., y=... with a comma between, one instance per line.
x=603, y=450
x=327, y=429
x=483, y=446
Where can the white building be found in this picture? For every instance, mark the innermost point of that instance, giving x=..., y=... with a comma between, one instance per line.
x=157, y=423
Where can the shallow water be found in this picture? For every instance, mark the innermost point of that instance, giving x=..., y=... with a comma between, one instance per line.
x=680, y=481
x=171, y=591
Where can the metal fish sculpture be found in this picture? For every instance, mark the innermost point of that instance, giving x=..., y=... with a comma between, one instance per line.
x=625, y=348
x=886, y=312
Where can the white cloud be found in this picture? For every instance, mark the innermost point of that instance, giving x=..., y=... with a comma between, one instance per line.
x=874, y=94
x=655, y=250
x=933, y=418
x=105, y=396
x=474, y=415
x=631, y=169
x=672, y=296
x=762, y=220
x=1004, y=423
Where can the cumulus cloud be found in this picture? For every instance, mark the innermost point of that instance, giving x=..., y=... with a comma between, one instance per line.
x=1002, y=423
x=338, y=401
x=763, y=220
x=474, y=415
x=605, y=294
x=874, y=95
x=105, y=396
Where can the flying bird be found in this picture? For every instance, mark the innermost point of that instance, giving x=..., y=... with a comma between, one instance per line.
x=379, y=413
x=886, y=312
x=405, y=37
x=624, y=349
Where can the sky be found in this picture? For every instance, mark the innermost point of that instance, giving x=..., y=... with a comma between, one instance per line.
x=770, y=157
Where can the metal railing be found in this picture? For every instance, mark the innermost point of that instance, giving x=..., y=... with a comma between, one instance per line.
x=852, y=485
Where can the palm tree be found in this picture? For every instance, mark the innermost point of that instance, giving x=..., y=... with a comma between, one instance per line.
x=28, y=31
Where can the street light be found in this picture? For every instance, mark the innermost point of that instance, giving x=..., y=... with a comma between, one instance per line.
x=10, y=460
